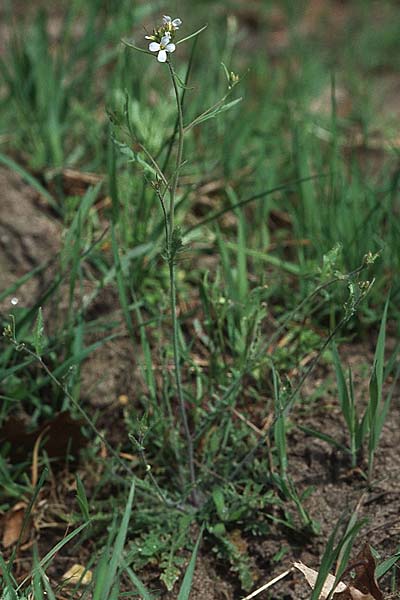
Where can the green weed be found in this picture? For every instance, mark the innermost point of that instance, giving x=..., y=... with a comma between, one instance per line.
x=364, y=429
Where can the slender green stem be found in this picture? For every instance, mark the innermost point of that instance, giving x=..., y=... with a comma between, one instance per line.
x=173, y=293
x=175, y=177
x=171, y=140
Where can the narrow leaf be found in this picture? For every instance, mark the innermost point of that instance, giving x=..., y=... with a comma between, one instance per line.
x=116, y=558
x=186, y=586
x=143, y=591
x=82, y=498
x=38, y=336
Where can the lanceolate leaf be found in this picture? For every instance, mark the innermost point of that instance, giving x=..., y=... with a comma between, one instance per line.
x=38, y=338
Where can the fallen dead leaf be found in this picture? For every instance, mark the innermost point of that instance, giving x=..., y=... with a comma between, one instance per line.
x=311, y=577
x=77, y=574
x=123, y=399
x=12, y=524
x=363, y=587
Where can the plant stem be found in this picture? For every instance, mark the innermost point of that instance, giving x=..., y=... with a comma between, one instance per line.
x=173, y=293
x=175, y=176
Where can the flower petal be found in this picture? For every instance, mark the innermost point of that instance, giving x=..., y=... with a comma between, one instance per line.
x=170, y=48
x=177, y=23
x=166, y=19
x=165, y=39
x=162, y=56
x=154, y=47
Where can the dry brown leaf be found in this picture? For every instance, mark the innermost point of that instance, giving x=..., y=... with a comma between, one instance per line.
x=12, y=524
x=311, y=577
x=351, y=593
x=363, y=587
x=236, y=538
x=77, y=574
x=123, y=399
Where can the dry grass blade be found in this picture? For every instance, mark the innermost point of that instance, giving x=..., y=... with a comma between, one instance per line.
x=268, y=585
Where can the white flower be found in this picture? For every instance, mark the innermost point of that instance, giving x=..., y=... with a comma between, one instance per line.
x=163, y=47
x=176, y=23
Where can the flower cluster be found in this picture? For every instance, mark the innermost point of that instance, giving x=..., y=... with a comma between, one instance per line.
x=171, y=25
x=162, y=38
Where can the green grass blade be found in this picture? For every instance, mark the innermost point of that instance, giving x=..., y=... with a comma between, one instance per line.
x=375, y=391
x=143, y=591
x=117, y=553
x=268, y=258
x=279, y=188
x=26, y=176
x=9, y=588
x=46, y=584
x=28, y=512
x=323, y=436
x=45, y=561
x=184, y=592
x=19, y=282
x=344, y=397
x=122, y=293
x=280, y=426
x=82, y=498
x=332, y=552
x=387, y=564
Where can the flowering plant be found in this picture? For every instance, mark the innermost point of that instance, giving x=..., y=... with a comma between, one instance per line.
x=161, y=38
x=163, y=42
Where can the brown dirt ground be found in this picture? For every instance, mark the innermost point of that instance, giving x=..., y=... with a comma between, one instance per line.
x=30, y=237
